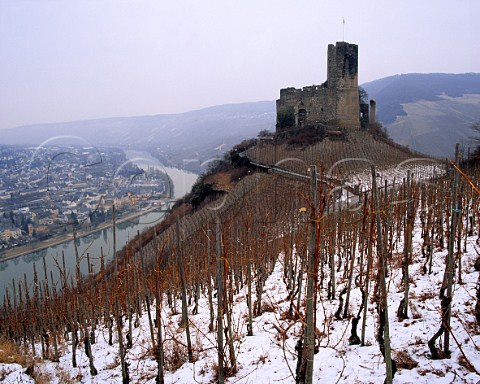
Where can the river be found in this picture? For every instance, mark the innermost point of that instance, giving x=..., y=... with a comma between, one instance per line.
x=182, y=180
x=94, y=244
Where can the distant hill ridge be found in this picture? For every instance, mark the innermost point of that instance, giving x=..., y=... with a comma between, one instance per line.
x=390, y=92
x=427, y=112
x=198, y=134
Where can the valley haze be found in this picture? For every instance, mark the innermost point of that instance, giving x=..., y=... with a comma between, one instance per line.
x=426, y=112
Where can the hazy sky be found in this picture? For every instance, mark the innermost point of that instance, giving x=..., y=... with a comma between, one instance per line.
x=80, y=59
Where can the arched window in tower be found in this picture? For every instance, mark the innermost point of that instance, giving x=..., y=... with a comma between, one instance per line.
x=302, y=117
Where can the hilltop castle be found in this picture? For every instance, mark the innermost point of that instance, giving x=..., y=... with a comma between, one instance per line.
x=334, y=103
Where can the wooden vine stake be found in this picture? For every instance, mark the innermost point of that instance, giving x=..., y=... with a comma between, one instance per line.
x=118, y=315
x=446, y=291
x=383, y=337
x=306, y=352
x=219, y=264
x=181, y=271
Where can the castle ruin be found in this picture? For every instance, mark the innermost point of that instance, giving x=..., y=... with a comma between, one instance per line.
x=335, y=103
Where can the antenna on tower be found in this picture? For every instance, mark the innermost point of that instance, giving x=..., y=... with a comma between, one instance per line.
x=343, y=30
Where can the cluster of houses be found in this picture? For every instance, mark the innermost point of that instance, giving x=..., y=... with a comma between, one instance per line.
x=6, y=234
x=44, y=191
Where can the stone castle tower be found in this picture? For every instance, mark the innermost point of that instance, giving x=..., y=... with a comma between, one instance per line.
x=334, y=103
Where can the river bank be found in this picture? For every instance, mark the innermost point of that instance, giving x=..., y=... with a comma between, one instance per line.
x=23, y=250
x=92, y=244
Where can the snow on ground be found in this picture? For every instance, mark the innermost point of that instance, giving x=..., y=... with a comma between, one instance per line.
x=421, y=169
x=14, y=373
x=269, y=355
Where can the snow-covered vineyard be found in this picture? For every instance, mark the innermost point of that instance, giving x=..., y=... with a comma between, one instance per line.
x=421, y=169
x=261, y=253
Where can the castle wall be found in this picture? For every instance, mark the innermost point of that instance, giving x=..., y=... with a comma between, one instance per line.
x=335, y=102
x=373, y=107
x=364, y=115
x=342, y=65
x=348, y=108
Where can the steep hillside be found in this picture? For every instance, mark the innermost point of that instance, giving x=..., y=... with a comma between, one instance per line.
x=240, y=265
x=433, y=127
x=338, y=156
x=429, y=113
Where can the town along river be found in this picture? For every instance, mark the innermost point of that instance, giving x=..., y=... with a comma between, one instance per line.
x=21, y=268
